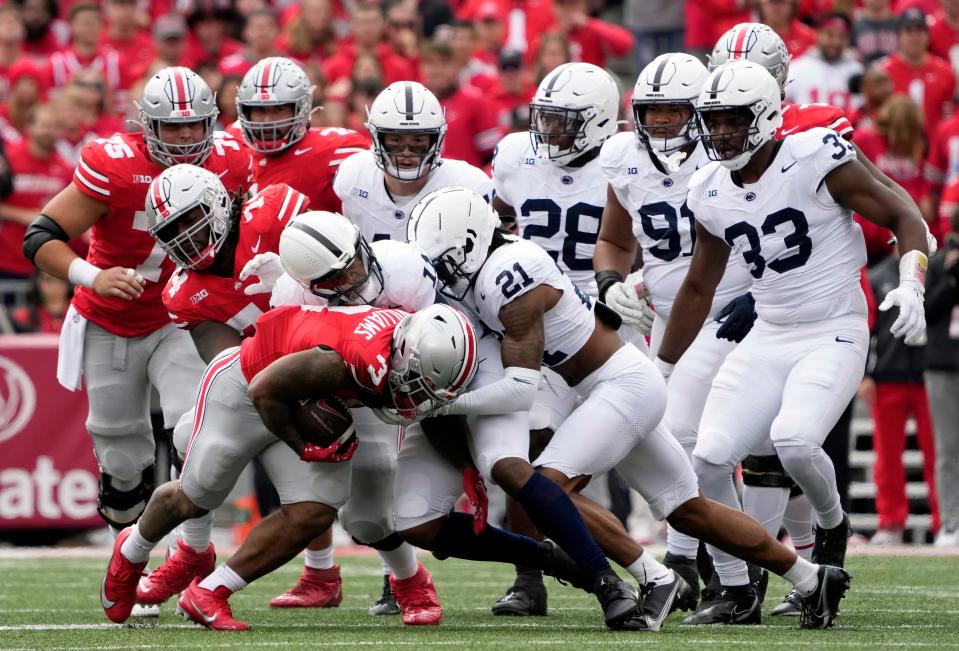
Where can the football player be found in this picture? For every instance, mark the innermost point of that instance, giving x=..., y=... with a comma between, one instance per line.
x=783, y=207
x=515, y=289
x=210, y=236
x=549, y=182
x=244, y=408
x=118, y=334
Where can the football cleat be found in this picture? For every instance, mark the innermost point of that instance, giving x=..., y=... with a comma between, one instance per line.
x=119, y=587
x=560, y=566
x=145, y=610
x=621, y=607
x=819, y=609
x=790, y=607
x=688, y=569
x=830, y=547
x=314, y=589
x=660, y=600
x=417, y=598
x=386, y=604
x=734, y=605
x=209, y=608
x=526, y=598
x=175, y=574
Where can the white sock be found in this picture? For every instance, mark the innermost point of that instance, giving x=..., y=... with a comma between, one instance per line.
x=196, y=532
x=679, y=544
x=319, y=559
x=224, y=576
x=647, y=569
x=136, y=548
x=798, y=522
x=400, y=561
x=804, y=576
x=386, y=568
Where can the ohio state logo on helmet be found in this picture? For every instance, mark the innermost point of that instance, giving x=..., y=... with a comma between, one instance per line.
x=274, y=82
x=177, y=95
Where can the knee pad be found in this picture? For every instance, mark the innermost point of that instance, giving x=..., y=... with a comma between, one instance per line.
x=121, y=508
x=707, y=471
x=766, y=471
x=795, y=453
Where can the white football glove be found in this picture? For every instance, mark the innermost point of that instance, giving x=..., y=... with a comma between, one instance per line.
x=631, y=301
x=911, y=323
x=267, y=267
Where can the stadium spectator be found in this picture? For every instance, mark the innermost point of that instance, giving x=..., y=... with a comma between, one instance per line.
x=894, y=388
x=124, y=34
x=526, y=20
x=512, y=93
x=592, y=40
x=403, y=27
x=310, y=33
x=896, y=144
x=209, y=40
x=169, y=44
x=875, y=87
x=476, y=64
x=489, y=23
x=49, y=299
x=26, y=84
x=367, y=28
x=781, y=16
x=472, y=131
x=364, y=92
x=39, y=173
x=943, y=170
x=657, y=26
x=552, y=51
x=44, y=33
x=226, y=100
x=823, y=73
x=707, y=20
x=942, y=375
x=11, y=45
x=260, y=33
x=79, y=109
x=944, y=33
x=925, y=77
x=875, y=32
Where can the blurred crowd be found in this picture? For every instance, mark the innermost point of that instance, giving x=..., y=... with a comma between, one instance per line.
x=70, y=72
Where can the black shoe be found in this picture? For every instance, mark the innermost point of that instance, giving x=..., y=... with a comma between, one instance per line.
x=820, y=608
x=686, y=568
x=620, y=603
x=735, y=605
x=759, y=579
x=660, y=600
x=790, y=607
x=386, y=604
x=526, y=599
x=559, y=565
x=711, y=592
x=830, y=547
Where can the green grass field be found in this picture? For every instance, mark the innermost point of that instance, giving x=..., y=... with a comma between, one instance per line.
x=901, y=602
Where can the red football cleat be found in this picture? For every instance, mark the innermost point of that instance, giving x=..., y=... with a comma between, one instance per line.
x=209, y=608
x=175, y=574
x=314, y=589
x=119, y=588
x=417, y=598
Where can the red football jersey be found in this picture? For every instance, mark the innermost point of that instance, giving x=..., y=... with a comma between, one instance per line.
x=803, y=117
x=310, y=165
x=192, y=297
x=932, y=86
x=117, y=171
x=943, y=164
x=361, y=335
x=944, y=38
x=472, y=132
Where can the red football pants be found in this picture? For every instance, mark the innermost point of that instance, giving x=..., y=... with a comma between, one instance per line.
x=894, y=404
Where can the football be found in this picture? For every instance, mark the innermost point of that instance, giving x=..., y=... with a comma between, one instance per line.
x=322, y=421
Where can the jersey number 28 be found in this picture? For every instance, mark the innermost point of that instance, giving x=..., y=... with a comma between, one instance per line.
x=574, y=234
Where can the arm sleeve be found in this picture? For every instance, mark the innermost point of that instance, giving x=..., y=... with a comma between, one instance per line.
x=516, y=391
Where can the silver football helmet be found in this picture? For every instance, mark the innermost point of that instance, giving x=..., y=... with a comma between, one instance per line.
x=177, y=95
x=191, y=239
x=274, y=81
x=755, y=42
x=433, y=359
x=324, y=252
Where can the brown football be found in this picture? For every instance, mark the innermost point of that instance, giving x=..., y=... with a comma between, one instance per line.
x=322, y=421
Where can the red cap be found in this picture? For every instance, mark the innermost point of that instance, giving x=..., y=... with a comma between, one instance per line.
x=489, y=10
x=24, y=68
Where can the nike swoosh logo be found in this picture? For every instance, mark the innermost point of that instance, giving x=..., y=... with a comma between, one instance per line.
x=786, y=167
x=106, y=603
x=845, y=341
x=256, y=247
x=786, y=132
x=206, y=618
x=300, y=152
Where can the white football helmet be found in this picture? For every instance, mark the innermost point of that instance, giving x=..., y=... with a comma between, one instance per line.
x=672, y=78
x=433, y=359
x=754, y=42
x=177, y=95
x=406, y=108
x=191, y=241
x=274, y=81
x=747, y=87
x=324, y=252
x=454, y=228
x=578, y=102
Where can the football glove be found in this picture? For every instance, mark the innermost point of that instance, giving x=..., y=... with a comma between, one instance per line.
x=737, y=318
x=631, y=301
x=267, y=267
x=335, y=452
x=910, y=325
x=475, y=489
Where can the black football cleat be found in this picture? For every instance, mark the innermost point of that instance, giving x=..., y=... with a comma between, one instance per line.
x=561, y=566
x=820, y=608
x=523, y=599
x=620, y=604
x=790, y=607
x=686, y=568
x=660, y=600
x=734, y=605
x=386, y=605
x=830, y=547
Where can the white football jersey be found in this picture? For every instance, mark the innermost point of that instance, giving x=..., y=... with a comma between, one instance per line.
x=409, y=282
x=557, y=207
x=519, y=267
x=663, y=223
x=804, y=250
x=360, y=186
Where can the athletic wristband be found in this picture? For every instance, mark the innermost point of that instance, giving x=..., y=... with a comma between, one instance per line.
x=82, y=272
x=912, y=268
x=664, y=367
x=605, y=280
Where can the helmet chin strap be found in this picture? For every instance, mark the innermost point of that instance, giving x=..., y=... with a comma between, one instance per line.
x=672, y=160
